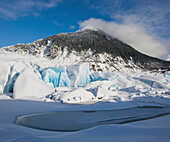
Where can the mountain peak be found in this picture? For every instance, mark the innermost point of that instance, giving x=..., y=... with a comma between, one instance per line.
x=87, y=29
x=93, y=46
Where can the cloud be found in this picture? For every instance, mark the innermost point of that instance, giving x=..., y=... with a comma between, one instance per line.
x=72, y=27
x=56, y=23
x=168, y=58
x=148, y=20
x=153, y=15
x=133, y=34
x=13, y=9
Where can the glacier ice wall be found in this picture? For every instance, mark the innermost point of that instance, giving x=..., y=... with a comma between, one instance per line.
x=78, y=74
x=62, y=76
x=56, y=77
x=13, y=73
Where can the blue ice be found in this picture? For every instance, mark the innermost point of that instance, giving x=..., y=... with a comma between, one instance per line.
x=56, y=76
x=79, y=75
x=83, y=76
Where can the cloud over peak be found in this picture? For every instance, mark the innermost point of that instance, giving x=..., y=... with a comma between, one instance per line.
x=132, y=34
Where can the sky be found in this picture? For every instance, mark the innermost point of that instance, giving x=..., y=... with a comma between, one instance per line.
x=143, y=24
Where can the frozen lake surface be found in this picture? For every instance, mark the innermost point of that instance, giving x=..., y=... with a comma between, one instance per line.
x=68, y=121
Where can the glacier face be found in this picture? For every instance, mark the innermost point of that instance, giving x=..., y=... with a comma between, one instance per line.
x=25, y=77
x=76, y=75
x=56, y=77
x=70, y=76
x=79, y=74
x=66, y=76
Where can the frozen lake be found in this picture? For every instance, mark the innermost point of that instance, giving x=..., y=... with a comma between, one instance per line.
x=68, y=121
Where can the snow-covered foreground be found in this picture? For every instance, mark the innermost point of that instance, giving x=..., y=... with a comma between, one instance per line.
x=93, y=102
x=156, y=129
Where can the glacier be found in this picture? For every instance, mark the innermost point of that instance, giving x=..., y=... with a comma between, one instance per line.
x=66, y=76
x=72, y=78
x=78, y=74
x=55, y=77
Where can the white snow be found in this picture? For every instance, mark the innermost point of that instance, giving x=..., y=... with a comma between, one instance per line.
x=29, y=86
x=79, y=95
x=43, y=85
x=87, y=28
x=148, y=130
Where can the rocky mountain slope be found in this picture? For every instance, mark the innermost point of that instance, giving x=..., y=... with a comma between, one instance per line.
x=103, y=52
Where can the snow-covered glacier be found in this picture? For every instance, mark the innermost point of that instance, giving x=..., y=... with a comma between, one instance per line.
x=36, y=78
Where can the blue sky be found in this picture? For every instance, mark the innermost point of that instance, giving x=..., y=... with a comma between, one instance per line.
x=144, y=24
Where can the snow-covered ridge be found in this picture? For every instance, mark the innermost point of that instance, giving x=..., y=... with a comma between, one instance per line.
x=99, y=62
x=87, y=28
x=91, y=45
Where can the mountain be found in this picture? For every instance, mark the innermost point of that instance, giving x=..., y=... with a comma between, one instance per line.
x=103, y=52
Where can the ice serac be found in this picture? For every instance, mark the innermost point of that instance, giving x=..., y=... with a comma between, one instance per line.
x=56, y=77
x=29, y=86
x=15, y=69
x=4, y=69
x=48, y=76
x=79, y=74
x=63, y=76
